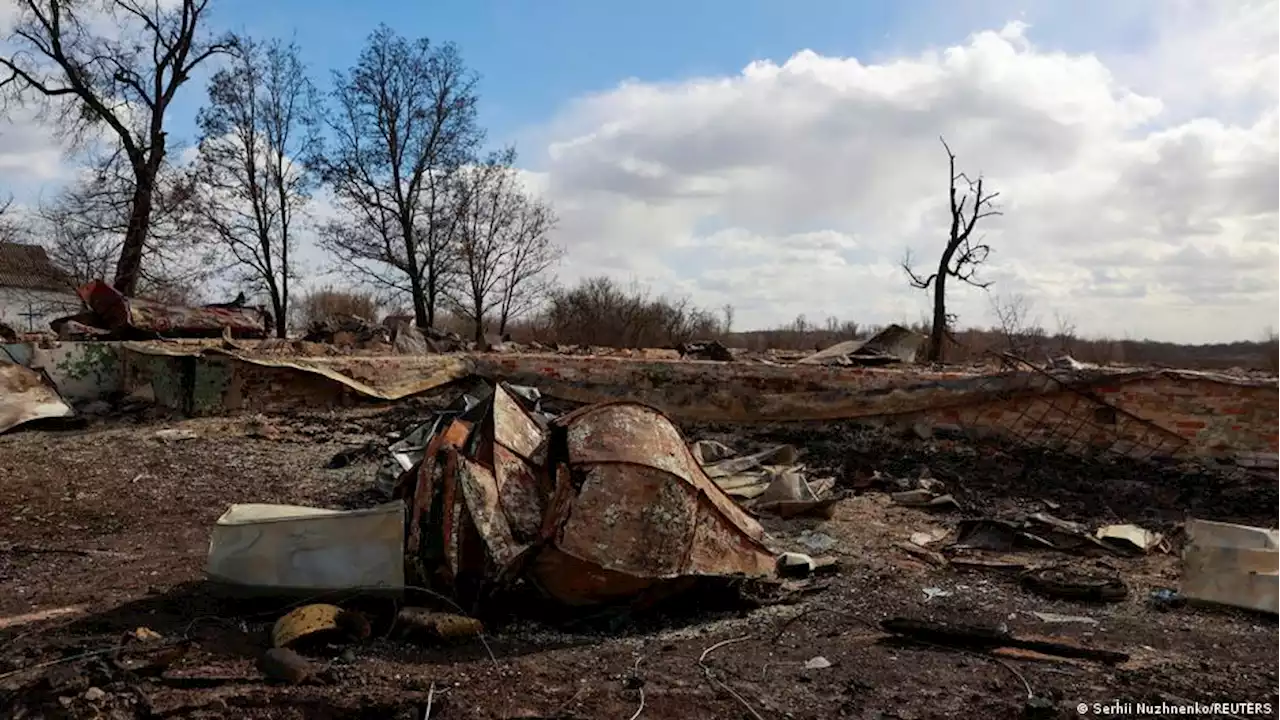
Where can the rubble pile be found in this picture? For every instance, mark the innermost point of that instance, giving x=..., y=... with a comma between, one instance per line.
x=114, y=316
x=346, y=330
x=602, y=504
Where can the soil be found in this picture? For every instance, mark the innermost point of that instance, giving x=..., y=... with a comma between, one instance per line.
x=112, y=520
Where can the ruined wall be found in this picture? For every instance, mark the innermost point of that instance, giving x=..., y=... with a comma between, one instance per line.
x=1137, y=412
x=1163, y=415
x=1213, y=416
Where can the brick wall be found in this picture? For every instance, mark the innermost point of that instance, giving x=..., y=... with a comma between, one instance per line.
x=1160, y=412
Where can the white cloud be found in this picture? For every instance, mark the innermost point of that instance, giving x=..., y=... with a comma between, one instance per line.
x=795, y=187
x=1139, y=183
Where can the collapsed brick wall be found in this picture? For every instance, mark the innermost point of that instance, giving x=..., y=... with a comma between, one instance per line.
x=1161, y=415
x=1140, y=413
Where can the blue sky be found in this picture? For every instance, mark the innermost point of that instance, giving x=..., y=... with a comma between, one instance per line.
x=1135, y=145
x=535, y=57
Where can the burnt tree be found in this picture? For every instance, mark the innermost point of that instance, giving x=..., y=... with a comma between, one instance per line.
x=121, y=63
x=961, y=257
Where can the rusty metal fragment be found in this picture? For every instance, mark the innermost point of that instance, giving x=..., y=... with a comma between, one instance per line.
x=121, y=314
x=596, y=506
x=25, y=396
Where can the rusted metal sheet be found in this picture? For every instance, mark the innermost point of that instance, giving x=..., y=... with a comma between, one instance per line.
x=480, y=492
x=119, y=312
x=405, y=379
x=24, y=396
x=629, y=511
x=646, y=507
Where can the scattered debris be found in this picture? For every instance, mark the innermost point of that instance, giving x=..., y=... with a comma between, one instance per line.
x=793, y=564
x=816, y=542
x=925, y=539
x=145, y=635
x=933, y=592
x=347, y=330
x=933, y=558
x=1166, y=599
x=1037, y=531
x=926, y=499
x=817, y=663
x=985, y=639
x=290, y=549
x=125, y=317
x=169, y=434
x=705, y=350
x=39, y=616
x=319, y=624
x=1230, y=564
x=25, y=396
x=419, y=624
x=1130, y=538
x=1050, y=617
x=1076, y=585
x=286, y=666
x=893, y=344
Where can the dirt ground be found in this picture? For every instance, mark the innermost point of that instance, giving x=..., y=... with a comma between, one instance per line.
x=112, y=521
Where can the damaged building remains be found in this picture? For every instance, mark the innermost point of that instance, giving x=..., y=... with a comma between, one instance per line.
x=382, y=520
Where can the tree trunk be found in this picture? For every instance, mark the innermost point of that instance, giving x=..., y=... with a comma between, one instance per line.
x=421, y=313
x=129, y=268
x=280, y=309
x=939, y=330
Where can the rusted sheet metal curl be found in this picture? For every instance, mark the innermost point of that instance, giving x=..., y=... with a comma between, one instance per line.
x=120, y=313
x=599, y=505
x=645, y=507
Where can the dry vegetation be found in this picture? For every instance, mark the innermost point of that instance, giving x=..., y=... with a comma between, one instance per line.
x=601, y=312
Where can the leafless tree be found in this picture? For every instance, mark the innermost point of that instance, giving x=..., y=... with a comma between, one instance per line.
x=726, y=313
x=1065, y=334
x=124, y=78
x=504, y=242
x=524, y=278
x=1022, y=333
x=83, y=229
x=961, y=256
x=403, y=123
x=249, y=181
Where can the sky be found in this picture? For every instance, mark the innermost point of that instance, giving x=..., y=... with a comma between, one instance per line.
x=782, y=157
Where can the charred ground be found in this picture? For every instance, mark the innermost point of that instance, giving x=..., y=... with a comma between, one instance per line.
x=114, y=519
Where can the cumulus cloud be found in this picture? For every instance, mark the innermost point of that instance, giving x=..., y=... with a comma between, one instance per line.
x=795, y=187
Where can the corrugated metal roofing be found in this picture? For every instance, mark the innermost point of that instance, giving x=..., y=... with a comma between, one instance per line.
x=28, y=266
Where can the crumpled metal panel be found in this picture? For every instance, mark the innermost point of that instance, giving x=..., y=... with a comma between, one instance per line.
x=120, y=312
x=24, y=397
x=630, y=510
x=480, y=492
x=645, y=507
x=519, y=458
x=636, y=434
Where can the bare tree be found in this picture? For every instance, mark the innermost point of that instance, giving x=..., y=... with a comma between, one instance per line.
x=403, y=122
x=1022, y=332
x=503, y=242
x=84, y=226
x=124, y=79
x=1065, y=334
x=726, y=313
x=961, y=257
x=248, y=179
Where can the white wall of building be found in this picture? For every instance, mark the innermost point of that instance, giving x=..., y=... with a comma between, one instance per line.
x=45, y=305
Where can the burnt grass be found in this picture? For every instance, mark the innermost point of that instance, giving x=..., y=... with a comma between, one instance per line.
x=113, y=520
x=992, y=476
